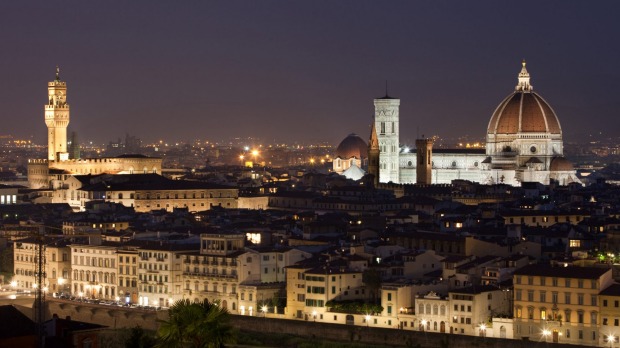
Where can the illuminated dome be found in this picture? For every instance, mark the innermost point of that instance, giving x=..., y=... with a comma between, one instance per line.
x=352, y=147
x=524, y=111
x=561, y=164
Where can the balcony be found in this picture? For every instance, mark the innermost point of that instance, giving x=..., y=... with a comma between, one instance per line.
x=210, y=275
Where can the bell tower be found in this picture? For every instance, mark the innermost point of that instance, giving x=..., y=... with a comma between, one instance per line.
x=57, y=119
x=387, y=130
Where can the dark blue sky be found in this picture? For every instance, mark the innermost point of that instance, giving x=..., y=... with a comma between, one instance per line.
x=307, y=71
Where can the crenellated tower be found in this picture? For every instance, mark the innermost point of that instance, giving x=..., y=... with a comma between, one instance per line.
x=57, y=119
x=424, y=168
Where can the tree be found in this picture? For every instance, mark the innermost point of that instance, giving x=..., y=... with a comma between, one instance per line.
x=138, y=338
x=196, y=325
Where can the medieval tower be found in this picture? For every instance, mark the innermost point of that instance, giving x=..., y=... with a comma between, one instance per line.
x=57, y=119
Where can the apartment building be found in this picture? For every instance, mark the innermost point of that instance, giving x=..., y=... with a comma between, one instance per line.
x=216, y=271
x=559, y=304
x=56, y=263
x=160, y=272
x=94, y=269
x=128, y=274
x=609, y=329
x=471, y=309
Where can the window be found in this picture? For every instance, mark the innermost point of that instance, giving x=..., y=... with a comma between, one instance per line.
x=580, y=299
x=389, y=296
x=604, y=303
x=593, y=318
x=543, y=296
x=567, y=297
x=554, y=281
x=543, y=314
x=554, y=297
x=530, y=296
x=580, y=317
x=580, y=283
x=518, y=295
x=542, y=281
x=518, y=278
x=593, y=300
x=530, y=280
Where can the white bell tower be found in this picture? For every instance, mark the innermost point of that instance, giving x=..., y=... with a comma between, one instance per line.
x=57, y=119
x=387, y=128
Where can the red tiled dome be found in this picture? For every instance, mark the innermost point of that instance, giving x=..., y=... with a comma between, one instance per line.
x=560, y=164
x=352, y=146
x=524, y=112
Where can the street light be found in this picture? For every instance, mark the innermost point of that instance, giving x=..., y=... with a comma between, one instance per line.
x=546, y=334
x=611, y=339
x=314, y=315
x=423, y=324
x=14, y=284
x=264, y=310
x=367, y=319
x=483, y=329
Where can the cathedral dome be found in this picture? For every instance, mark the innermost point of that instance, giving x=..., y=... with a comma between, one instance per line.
x=352, y=146
x=560, y=164
x=524, y=111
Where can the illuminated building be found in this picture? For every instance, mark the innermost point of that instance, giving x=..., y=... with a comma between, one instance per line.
x=41, y=172
x=524, y=144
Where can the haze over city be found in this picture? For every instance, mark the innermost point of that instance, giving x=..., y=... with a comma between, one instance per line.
x=304, y=71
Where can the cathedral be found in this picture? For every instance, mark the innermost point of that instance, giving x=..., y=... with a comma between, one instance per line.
x=523, y=144
x=50, y=173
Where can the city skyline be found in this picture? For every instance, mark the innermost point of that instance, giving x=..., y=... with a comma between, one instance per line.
x=305, y=71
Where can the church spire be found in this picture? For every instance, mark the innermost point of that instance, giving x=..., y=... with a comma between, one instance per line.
x=373, y=142
x=524, y=80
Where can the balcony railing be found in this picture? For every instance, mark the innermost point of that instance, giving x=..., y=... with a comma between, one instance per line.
x=211, y=275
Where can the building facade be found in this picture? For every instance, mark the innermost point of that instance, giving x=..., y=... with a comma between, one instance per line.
x=524, y=144
x=41, y=172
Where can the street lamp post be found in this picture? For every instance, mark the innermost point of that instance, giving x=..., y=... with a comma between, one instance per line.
x=367, y=319
x=264, y=310
x=483, y=329
x=611, y=339
x=546, y=334
x=314, y=315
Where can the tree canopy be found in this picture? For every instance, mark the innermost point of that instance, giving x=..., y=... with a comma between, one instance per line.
x=196, y=325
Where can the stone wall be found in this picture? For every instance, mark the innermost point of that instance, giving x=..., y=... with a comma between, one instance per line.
x=117, y=317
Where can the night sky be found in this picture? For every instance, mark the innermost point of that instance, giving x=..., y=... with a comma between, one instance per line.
x=304, y=70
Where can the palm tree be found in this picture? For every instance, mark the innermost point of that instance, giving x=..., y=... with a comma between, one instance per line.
x=196, y=325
